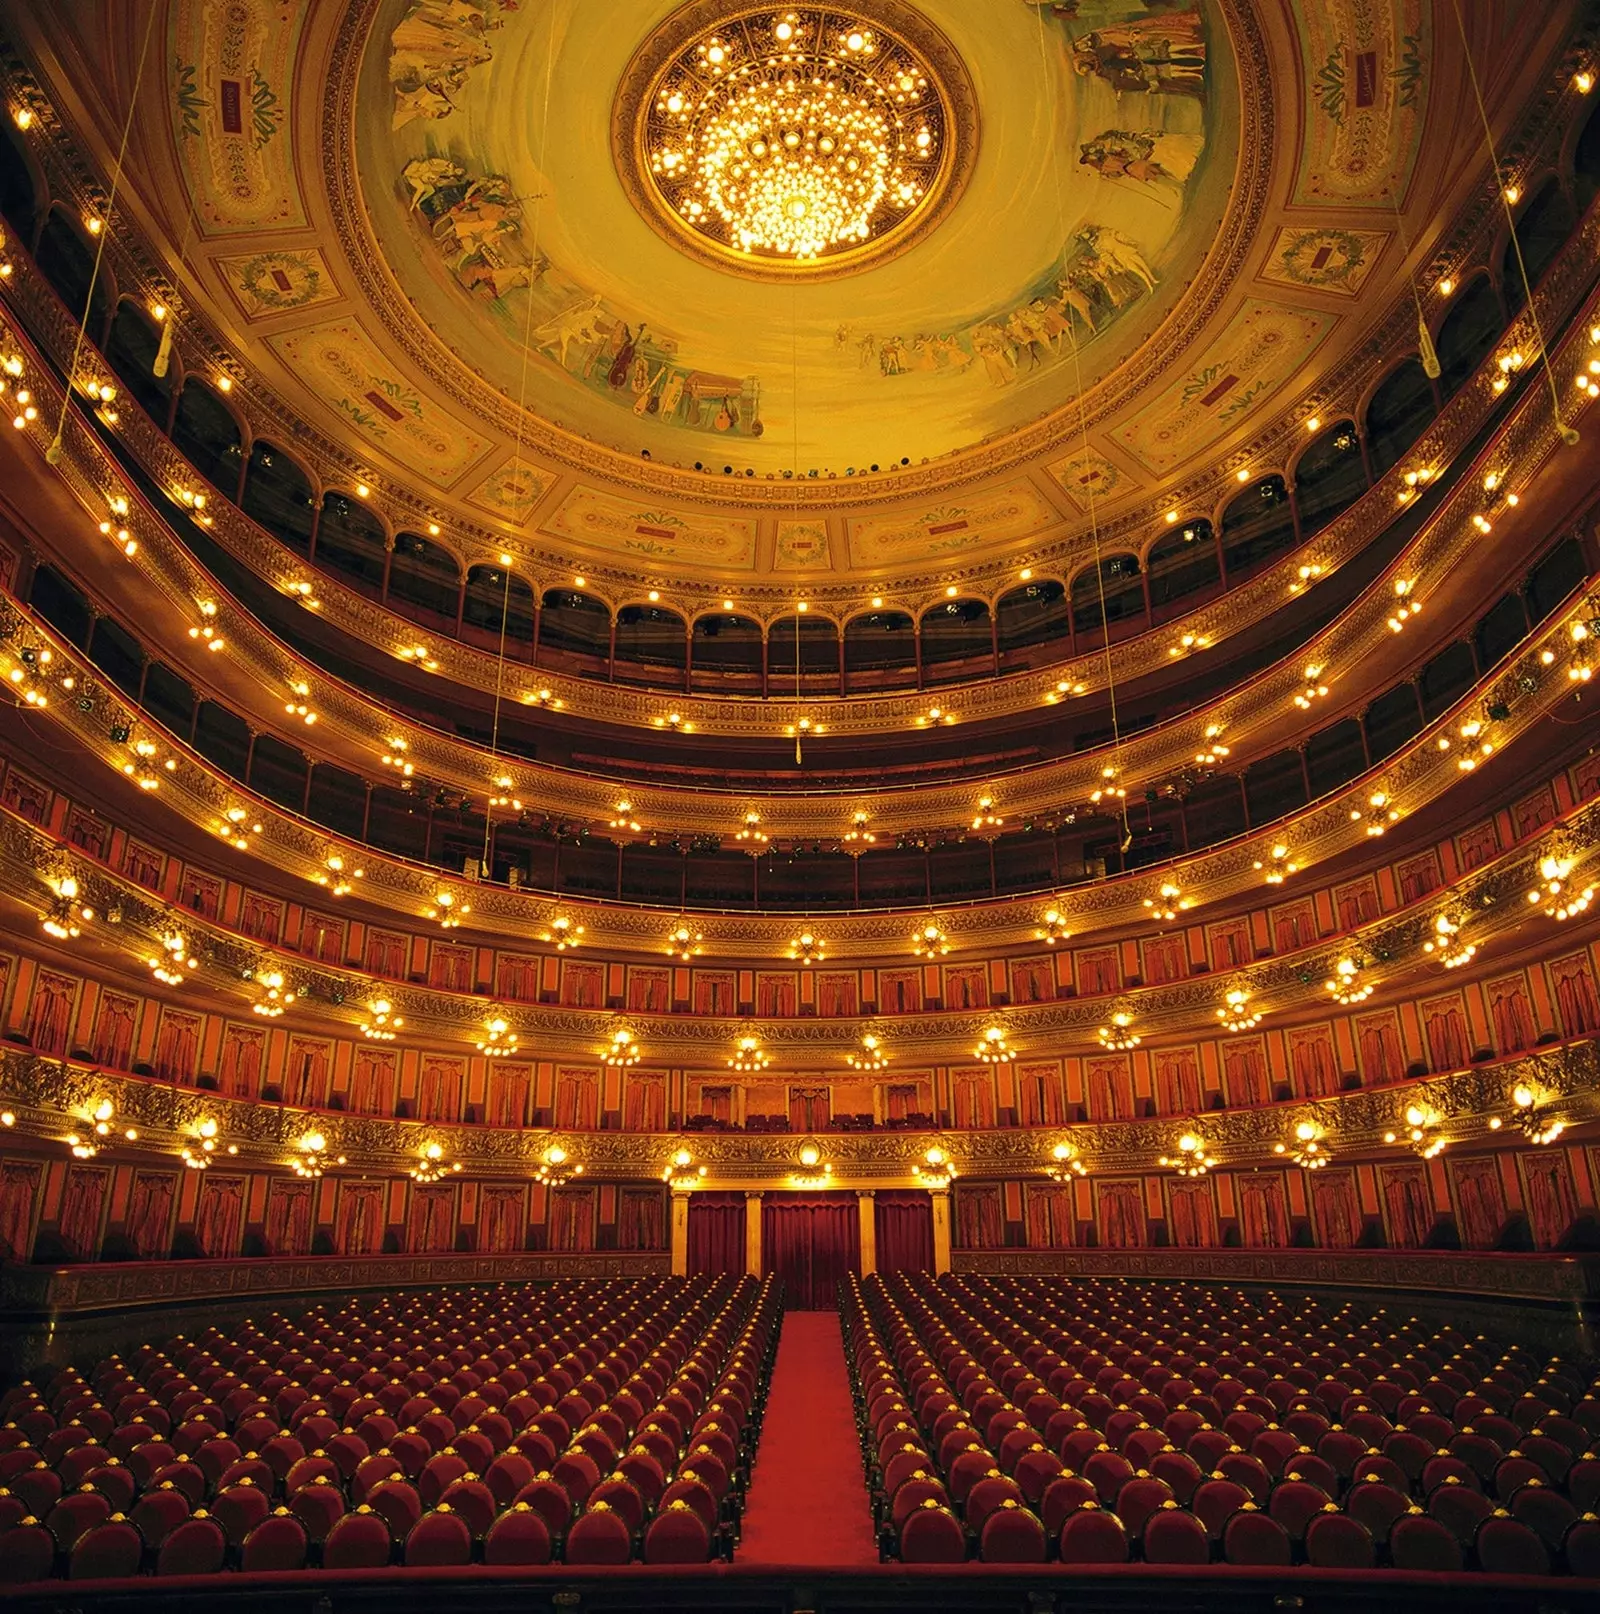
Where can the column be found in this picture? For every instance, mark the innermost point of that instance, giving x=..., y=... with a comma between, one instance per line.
x=680, y=1235
x=752, y=1232
x=867, y=1208
x=941, y=1229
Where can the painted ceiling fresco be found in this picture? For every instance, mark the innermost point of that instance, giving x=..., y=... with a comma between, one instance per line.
x=1102, y=167
x=1177, y=219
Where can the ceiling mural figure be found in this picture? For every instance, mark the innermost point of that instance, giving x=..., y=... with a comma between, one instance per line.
x=432, y=50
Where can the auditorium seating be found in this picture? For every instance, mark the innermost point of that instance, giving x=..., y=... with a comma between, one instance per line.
x=1105, y=1422
x=589, y=1422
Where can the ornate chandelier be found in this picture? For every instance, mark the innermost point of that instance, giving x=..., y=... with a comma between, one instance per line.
x=431, y=1164
x=1307, y=1148
x=1066, y=1162
x=1053, y=929
x=498, y=1038
x=929, y=941
x=683, y=941
x=787, y=137
x=869, y=1056
x=1119, y=1035
x=808, y=948
x=814, y=1172
x=622, y=1050
x=1236, y=1013
x=556, y=1167
x=313, y=1158
x=935, y=1169
x=749, y=1055
x=1191, y=1158
x=993, y=1049
x=384, y=1022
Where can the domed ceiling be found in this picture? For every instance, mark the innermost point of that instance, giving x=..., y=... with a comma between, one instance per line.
x=455, y=242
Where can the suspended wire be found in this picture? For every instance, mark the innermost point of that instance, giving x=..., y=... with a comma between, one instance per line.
x=794, y=471
x=53, y=453
x=1083, y=434
x=1569, y=433
x=522, y=412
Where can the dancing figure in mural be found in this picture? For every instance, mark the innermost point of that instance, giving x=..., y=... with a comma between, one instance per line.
x=1146, y=56
x=433, y=49
x=1149, y=156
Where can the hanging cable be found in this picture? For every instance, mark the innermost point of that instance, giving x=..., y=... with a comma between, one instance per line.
x=53, y=453
x=794, y=471
x=515, y=480
x=1568, y=432
x=1083, y=434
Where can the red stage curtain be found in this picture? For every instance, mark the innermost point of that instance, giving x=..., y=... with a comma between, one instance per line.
x=905, y=1232
x=716, y=1233
x=811, y=1241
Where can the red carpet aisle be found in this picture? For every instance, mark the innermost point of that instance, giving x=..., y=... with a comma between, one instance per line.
x=808, y=1502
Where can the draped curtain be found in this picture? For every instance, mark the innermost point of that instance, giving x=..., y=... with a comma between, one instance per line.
x=1122, y=1216
x=52, y=1014
x=572, y=1219
x=1480, y=1202
x=149, y=1225
x=1194, y=1215
x=1052, y=1218
x=81, y=1205
x=19, y=1188
x=904, y=1232
x=504, y=1220
x=289, y=1219
x=811, y=1242
x=1263, y=1212
x=1408, y=1206
x=640, y=1223
x=360, y=1229
x=220, y=1218
x=716, y=1233
x=431, y=1227
x=1552, y=1205
x=980, y=1221
x=1335, y=1210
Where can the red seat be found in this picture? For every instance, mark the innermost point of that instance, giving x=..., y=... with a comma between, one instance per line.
x=518, y=1536
x=599, y=1536
x=30, y=1550
x=397, y=1503
x=677, y=1535
x=318, y=1506
x=1582, y=1548
x=358, y=1540
x=1252, y=1538
x=197, y=1546
x=1546, y=1512
x=932, y=1535
x=438, y=1538
x=1295, y=1503
x=1012, y=1535
x=1336, y=1541
x=109, y=1551
x=1420, y=1542
x=1138, y=1499
x=1216, y=1501
x=1507, y=1547
x=278, y=1542
x=1093, y=1536
x=1172, y=1536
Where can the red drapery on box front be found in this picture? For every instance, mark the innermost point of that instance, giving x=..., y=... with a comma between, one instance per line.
x=811, y=1241
x=904, y=1232
x=716, y=1233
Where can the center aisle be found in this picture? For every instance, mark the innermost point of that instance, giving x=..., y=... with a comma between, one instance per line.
x=808, y=1501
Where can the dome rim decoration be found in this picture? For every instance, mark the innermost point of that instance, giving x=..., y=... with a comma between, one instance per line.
x=675, y=37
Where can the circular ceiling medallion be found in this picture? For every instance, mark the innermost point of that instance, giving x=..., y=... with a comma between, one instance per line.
x=807, y=142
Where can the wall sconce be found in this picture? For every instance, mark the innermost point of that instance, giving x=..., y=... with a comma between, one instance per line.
x=313, y=1158
x=1306, y=1149
x=814, y=1172
x=1236, y=1013
x=172, y=964
x=556, y=1167
x=1277, y=865
x=682, y=1174
x=1167, y=903
x=1053, y=928
x=431, y=1164
x=869, y=1056
x=198, y=1152
x=929, y=941
x=563, y=933
x=65, y=917
x=1446, y=943
x=275, y=995
x=1066, y=1162
x=1420, y=1135
x=85, y=1145
x=858, y=837
x=338, y=880
x=748, y=1055
x=498, y=1038
x=1347, y=985
x=808, y=948
x=993, y=1049
x=1558, y=898
x=383, y=1022
x=683, y=941
x=750, y=834
x=935, y=1169
x=1119, y=1035
x=1191, y=1158
x=622, y=1050
x=447, y=911
x=1531, y=1117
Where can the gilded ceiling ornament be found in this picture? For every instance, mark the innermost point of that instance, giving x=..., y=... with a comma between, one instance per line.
x=809, y=141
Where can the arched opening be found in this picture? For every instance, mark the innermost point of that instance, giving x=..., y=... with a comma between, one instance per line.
x=424, y=582
x=222, y=738
x=1391, y=720
x=280, y=772
x=1543, y=229
x=880, y=652
x=277, y=495
x=1554, y=578
x=495, y=596
x=1274, y=787
x=1468, y=335
x=62, y=604
x=818, y=651
x=350, y=544
x=19, y=196
x=574, y=633
x=1500, y=629
x=1445, y=679
x=1256, y=525
x=66, y=260
x=957, y=642
x=208, y=436
x=169, y=699
x=117, y=654
x=1033, y=624
x=131, y=350
x=1329, y=478
x=1335, y=756
x=1112, y=595
x=337, y=800
x=726, y=655
x=1586, y=161
x=652, y=647
x=1183, y=570
x=1398, y=415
